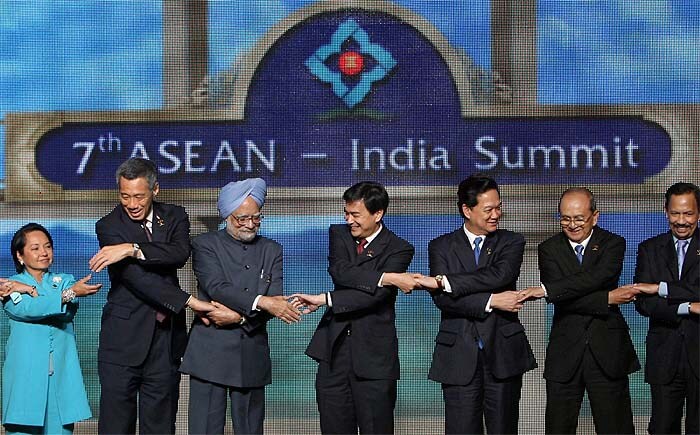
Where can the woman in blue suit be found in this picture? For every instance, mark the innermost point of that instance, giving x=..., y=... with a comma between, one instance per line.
x=42, y=385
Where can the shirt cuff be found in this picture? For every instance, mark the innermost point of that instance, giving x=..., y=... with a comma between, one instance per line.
x=16, y=297
x=255, y=303
x=663, y=289
x=328, y=298
x=381, y=281
x=544, y=289
x=448, y=287
x=488, y=308
x=684, y=309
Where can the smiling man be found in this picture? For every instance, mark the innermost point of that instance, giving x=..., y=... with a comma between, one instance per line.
x=668, y=272
x=481, y=350
x=589, y=346
x=355, y=343
x=143, y=335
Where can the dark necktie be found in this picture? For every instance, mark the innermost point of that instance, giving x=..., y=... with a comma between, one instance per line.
x=160, y=316
x=579, y=253
x=361, y=246
x=149, y=235
x=680, y=251
x=477, y=249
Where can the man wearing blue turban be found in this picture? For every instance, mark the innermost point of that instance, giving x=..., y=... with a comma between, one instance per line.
x=228, y=353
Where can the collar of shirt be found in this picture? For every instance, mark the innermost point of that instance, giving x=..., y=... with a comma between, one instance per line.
x=675, y=243
x=149, y=220
x=471, y=236
x=373, y=236
x=584, y=243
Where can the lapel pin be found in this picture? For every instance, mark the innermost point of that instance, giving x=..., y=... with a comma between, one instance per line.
x=370, y=253
x=488, y=251
x=594, y=248
x=159, y=221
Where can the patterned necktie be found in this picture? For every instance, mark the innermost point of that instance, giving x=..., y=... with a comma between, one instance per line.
x=680, y=251
x=146, y=230
x=361, y=246
x=477, y=249
x=579, y=253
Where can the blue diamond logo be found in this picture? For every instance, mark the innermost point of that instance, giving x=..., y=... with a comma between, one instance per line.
x=350, y=30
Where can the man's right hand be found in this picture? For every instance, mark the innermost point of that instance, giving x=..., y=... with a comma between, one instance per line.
x=200, y=308
x=280, y=308
x=506, y=301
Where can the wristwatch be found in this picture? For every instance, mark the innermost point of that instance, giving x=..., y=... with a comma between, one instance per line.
x=438, y=279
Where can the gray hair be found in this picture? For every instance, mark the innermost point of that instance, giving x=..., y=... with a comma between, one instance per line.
x=137, y=167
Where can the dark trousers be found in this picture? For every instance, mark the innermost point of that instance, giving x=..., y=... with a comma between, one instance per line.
x=207, y=412
x=610, y=401
x=154, y=385
x=485, y=397
x=667, y=402
x=347, y=401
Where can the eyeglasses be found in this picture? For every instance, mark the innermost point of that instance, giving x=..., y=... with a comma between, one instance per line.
x=244, y=219
x=578, y=221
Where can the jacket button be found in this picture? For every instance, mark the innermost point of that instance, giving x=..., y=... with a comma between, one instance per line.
x=246, y=289
x=247, y=266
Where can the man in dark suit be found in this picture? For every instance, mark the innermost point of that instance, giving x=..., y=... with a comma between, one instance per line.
x=355, y=343
x=240, y=273
x=589, y=346
x=143, y=333
x=481, y=350
x=668, y=274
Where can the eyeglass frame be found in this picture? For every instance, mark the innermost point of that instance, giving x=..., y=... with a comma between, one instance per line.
x=578, y=221
x=244, y=219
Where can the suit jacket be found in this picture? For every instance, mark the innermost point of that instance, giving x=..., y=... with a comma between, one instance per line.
x=233, y=273
x=360, y=305
x=141, y=288
x=668, y=331
x=40, y=325
x=463, y=311
x=582, y=316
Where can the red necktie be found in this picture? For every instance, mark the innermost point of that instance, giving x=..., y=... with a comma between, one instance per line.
x=361, y=246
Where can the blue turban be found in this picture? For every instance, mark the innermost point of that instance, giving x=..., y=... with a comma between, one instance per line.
x=234, y=193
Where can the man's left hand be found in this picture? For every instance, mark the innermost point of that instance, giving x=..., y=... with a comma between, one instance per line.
x=650, y=289
x=110, y=255
x=222, y=315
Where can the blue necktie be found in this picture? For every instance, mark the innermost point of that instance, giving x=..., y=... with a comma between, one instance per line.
x=477, y=249
x=579, y=253
x=680, y=250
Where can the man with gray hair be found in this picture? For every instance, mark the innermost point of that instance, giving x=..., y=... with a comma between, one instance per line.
x=240, y=273
x=143, y=334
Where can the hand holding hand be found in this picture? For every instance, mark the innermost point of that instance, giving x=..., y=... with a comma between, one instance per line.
x=307, y=304
x=82, y=288
x=530, y=293
x=222, y=315
x=623, y=295
x=650, y=289
x=506, y=301
x=200, y=309
x=403, y=281
x=110, y=255
x=280, y=308
x=427, y=282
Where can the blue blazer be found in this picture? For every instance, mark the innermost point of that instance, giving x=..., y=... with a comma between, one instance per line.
x=40, y=325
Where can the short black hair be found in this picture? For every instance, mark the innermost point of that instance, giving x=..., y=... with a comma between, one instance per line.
x=373, y=194
x=473, y=186
x=136, y=167
x=19, y=241
x=591, y=198
x=682, y=189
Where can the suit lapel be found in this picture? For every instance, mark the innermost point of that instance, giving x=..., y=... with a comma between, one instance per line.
x=375, y=248
x=159, y=224
x=593, y=249
x=692, y=256
x=487, y=248
x=568, y=256
x=462, y=249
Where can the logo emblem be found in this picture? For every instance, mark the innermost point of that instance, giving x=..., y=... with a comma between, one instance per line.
x=356, y=55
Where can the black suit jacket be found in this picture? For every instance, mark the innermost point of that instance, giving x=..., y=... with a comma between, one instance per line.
x=582, y=315
x=234, y=274
x=506, y=348
x=668, y=331
x=360, y=305
x=140, y=288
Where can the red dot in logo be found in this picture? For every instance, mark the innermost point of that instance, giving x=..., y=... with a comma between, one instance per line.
x=350, y=63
